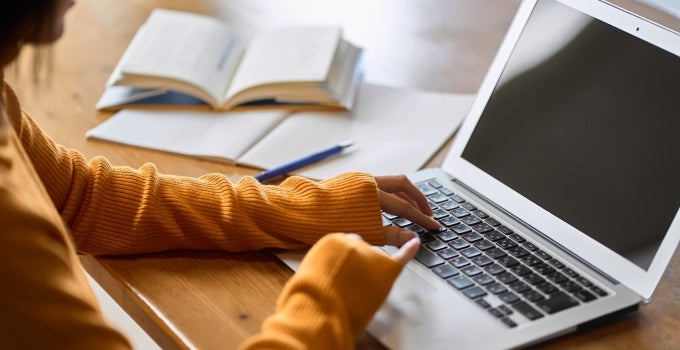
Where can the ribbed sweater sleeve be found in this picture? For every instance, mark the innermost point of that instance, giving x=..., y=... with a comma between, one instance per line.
x=340, y=284
x=119, y=210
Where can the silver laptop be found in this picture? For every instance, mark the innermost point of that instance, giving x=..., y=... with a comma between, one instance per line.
x=560, y=196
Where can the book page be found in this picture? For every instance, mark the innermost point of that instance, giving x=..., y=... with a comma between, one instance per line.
x=394, y=131
x=186, y=47
x=288, y=55
x=218, y=136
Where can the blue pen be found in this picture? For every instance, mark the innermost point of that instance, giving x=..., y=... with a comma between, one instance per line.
x=303, y=162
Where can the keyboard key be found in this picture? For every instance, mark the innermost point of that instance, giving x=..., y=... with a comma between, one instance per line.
x=543, y=255
x=457, y=198
x=518, y=252
x=425, y=237
x=459, y=212
x=434, y=184
x=460, y=282
x=584, y=281
x=533, y=295
x=529, y=246
x=520, y=270
x=557, y=302
x=496, y=288
x=494, y=269
x=470, y=252
x=446, y=191
x=584, y=295
x=504, y=230
x=517, y=238
x=448, y=253
x=508, y=297
x=460, y=229
x=468, y=206
x=459, y=244
x=440, y=213
x=543, y=269
x=495, y=312
x=415, y=228
x=471, y=236
x=506, y=277
x=480, y=214
x=437, y=197
x=471, y=220
x=547, y=288
x=484, y=279
x=492, y=222
x=556, y=264
x=531, y=260
x=599, y=291
x=459, y=262
x=506, y=243
x=447, y=236
x=507, y=261
x=533, y=279
x=494, y=236
x=482, y=227
x=474, y=292
x=519, y=286
x=449, y=221
x=482, y=260
x=569, y=272
x=505, y=309
x=448, y=205
x=527, y=310
x=508, y=322
x=428, y=259
x=571, y=286
x=484, y=244
x=389, y=216
x=471, y=270
x=445, y=271
x=436, y=245
x=557, y=277
x=426, y=189
x=401, y=222
x=495, y=253
x=483, y=303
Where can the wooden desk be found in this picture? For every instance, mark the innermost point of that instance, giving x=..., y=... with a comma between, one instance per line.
x=214, y=300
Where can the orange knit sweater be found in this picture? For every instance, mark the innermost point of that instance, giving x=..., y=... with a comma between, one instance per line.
x=54, y=205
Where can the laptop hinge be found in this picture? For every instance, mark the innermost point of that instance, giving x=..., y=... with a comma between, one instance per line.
x=534, y=230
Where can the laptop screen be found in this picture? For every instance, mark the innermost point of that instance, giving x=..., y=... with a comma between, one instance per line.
x=585, y=122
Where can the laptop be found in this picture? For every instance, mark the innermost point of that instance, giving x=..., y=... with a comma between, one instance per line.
x=559, y=197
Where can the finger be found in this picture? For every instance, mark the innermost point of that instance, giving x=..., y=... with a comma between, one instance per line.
x=395, y=205
x=396, y=236
x=408, y=251
x=406, y=189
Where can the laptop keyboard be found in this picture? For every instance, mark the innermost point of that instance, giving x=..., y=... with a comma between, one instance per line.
x=479, y=256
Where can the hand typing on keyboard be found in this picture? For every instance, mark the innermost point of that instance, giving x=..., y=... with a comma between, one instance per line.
x=400, y=197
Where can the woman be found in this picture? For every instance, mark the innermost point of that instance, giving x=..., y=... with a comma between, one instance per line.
x=54, y=205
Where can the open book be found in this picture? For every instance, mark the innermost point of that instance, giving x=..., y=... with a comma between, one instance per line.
x=188, y=59
x=394, y=131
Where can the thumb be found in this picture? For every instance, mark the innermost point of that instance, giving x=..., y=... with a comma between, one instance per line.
x=408, y=251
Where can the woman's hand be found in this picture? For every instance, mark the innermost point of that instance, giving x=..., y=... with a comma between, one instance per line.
x=398, y=196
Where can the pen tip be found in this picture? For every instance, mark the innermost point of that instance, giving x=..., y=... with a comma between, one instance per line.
x=346, y=143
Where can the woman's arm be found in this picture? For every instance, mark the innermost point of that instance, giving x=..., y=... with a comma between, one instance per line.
x=120, y=210
x=340, y=284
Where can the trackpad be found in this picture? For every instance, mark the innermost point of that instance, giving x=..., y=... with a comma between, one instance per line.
x=407, y=299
